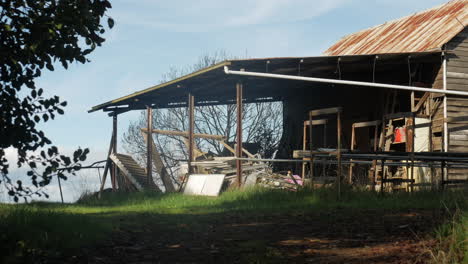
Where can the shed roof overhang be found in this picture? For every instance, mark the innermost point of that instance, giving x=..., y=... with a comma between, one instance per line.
x=211, y=86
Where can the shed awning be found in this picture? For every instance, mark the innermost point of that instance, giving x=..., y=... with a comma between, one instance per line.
x=212, y=86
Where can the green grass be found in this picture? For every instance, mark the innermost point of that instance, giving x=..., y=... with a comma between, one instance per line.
x=51, y=229
x=452, y=240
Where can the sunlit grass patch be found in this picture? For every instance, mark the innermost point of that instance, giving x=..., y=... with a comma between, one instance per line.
x=47, y=229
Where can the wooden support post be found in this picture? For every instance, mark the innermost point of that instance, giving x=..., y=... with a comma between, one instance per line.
x=304, y=147
x=191, y=127
x=338, y=123
x=442, y=168
x=239, y=134
x=311, y=159
x=353, y=139
x=383, y=178
x=108, y=164
x=325, y=146
x=149, y=147
x=60, y=188
x=374, y=177
x=413, y=131
x=114, y=150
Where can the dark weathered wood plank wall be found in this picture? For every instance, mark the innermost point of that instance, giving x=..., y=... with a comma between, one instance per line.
x=457, y=79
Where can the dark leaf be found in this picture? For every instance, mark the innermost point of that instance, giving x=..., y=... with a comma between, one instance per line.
x=110, y=22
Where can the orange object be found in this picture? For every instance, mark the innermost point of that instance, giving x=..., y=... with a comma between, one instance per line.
x=400, y=135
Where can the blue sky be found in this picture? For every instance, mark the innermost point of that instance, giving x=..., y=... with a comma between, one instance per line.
x=150, y=36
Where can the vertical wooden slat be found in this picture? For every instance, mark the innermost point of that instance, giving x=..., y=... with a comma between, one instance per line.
x=114, y=150
x=350, y=174
x=311, y=167
x=149, y=147
x=239, y=134
x=374, y=177
x=413, y=130
x=304, y=147
x=108, y=164
x=191, y=127
x=338, y=121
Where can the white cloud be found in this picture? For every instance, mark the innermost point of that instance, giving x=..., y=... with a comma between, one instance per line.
x=208, y=15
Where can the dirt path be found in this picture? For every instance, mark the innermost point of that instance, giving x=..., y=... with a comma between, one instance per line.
x=326, y=237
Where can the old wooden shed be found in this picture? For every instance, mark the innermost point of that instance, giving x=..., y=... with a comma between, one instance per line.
x=412, y=70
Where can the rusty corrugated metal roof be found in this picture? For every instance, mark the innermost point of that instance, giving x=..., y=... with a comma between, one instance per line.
x=425, y=31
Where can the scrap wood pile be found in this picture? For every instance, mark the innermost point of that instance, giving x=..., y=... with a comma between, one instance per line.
x=253, y=173
x=280, y=181
x=227, y=166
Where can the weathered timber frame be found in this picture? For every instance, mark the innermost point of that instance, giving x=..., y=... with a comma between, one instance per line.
x=239, y=88
x=321, y=122
x=374, y=124
x=329, y=111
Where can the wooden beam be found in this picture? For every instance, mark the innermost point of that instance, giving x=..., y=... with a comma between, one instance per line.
x=159, y=164
x=149, y=147
x=421, y=102
x=326, y=111
x=398, y=115
x=367, y=124
x=316, y=122
x=190, y=132
x=185, y=134
x=108, y=164
x=239, y=133
x=114, y=150
x=338, y=156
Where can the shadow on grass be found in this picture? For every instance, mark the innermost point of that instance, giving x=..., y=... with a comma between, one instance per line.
x=250, y=225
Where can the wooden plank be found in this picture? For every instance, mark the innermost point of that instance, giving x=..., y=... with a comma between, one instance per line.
x=457, y=46
x=459, y=69
x=459, y=62
x=326, y=111
x=108, y=165
x=458, y=170
x=437, y=144
x=185, y=134
x=398, y=115
x=457, y=75
x=457, y=117
x=458, y=143
x=459, y=53
x=459, y=137
x=127, y=173
x=316, y=122
x=458, y=104
x=421, y=101
x=159, y=165
x=457, y=108
x=451, y=58
x=458, y=148
x=149, y=148
x=299, y=154
x=367, y=124
x=459, y=132
x=457, y=87
x=250, y=155
x=457, y=81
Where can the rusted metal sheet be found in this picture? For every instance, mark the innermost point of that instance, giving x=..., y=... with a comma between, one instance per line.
x=425, y=31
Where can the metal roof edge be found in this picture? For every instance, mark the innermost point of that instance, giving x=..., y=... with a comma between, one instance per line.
x=152, y=88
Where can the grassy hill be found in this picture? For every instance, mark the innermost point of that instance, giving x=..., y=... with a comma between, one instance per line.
x=53, y=232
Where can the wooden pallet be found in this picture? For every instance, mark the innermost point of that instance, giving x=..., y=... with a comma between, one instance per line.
x=133, y=172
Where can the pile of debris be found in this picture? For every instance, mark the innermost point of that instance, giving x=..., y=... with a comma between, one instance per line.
x=227, y=166
x=280, y=181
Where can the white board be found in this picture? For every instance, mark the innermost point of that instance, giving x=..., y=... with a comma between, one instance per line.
x=204, y=184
